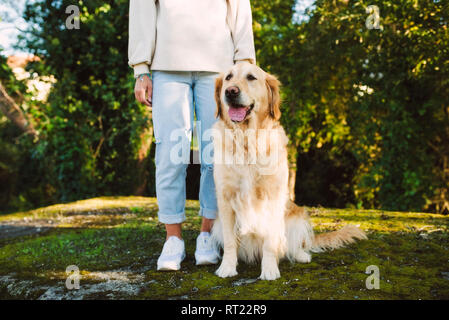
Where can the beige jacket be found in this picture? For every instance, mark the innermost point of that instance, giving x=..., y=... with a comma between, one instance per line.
x=189, y=35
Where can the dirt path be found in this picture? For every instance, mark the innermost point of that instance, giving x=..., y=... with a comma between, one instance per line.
x=26, y=227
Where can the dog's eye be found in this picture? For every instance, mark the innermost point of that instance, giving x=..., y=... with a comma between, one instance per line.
x=250, y=77
x=228, y=77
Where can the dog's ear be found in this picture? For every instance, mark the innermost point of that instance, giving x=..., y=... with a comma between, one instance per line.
x=274, y=97
x=218, y=85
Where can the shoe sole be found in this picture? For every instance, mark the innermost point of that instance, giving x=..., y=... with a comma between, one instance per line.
x=169, y=268
x=173, y=267
x=201, y=261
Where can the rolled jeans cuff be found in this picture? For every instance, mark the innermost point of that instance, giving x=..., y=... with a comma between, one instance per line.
x=208, y=213
x=172, y=218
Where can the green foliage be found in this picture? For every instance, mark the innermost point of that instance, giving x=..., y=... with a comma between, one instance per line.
x=373, y=102
x=91, y=125
x=366, y=110
x=394, y=128
x=16, y=166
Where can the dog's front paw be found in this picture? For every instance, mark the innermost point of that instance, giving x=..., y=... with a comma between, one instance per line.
x=226, y=270
x=271, y=273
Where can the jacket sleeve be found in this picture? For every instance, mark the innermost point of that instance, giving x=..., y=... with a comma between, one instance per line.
x=142, y=35
x=240, y=22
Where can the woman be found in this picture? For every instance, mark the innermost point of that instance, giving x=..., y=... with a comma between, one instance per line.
x=185, y=44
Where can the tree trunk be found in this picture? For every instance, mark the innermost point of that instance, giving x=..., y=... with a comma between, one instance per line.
x=142, y=158
x=442, y=202
x=292, y=155
x=13, y=112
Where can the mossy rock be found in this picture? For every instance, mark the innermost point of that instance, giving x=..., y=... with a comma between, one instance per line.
x=115, y=242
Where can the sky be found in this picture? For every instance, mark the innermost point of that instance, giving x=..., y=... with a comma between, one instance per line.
x=301, y=6
x=11, y=19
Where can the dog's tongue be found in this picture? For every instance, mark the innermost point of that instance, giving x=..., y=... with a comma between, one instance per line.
x=237, y=114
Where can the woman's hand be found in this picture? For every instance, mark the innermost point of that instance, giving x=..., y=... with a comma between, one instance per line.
x=143, y=90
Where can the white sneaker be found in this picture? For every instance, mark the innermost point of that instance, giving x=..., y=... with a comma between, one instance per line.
x=172, y=254
x=206, y=252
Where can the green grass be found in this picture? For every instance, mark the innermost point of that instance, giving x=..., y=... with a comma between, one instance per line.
x=103, y=235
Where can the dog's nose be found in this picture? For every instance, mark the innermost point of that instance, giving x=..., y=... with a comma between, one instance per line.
x=232, y=92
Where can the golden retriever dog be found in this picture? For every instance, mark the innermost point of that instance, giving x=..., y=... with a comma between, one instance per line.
x=256, y=220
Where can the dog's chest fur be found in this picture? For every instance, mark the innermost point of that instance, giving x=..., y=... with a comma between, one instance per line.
x=255, y=186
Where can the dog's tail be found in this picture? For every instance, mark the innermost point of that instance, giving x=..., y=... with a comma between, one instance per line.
x=337, y=239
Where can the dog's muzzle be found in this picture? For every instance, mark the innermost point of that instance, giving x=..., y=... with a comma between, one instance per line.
x=237, y=111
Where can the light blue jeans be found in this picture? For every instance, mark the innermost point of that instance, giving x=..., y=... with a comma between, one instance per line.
x=177, y=96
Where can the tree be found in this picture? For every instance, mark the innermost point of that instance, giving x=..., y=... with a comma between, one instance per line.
x=275, y=36
x=389, y=89
x=14, y=113
x=95, y=134
x=366, y=110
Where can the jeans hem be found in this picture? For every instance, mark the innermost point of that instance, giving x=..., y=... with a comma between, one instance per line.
x=171, y=218
x=208, y=213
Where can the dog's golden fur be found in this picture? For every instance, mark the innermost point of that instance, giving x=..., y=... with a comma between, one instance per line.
x=256, y=219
